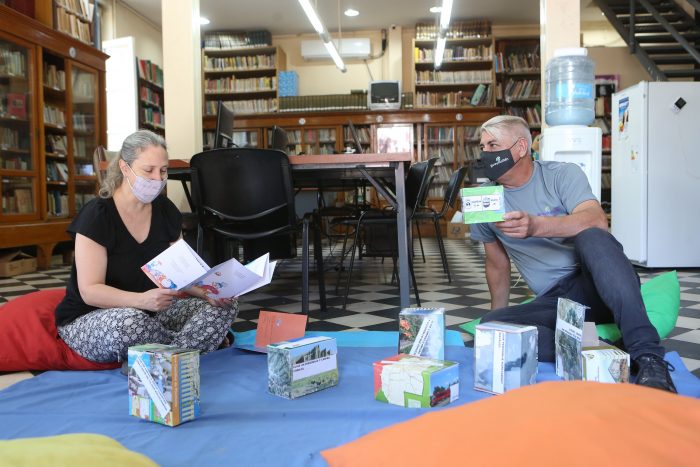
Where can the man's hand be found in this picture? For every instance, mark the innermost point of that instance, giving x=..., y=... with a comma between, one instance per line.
x=517, y=224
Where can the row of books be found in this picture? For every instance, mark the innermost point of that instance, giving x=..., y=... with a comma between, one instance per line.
x=73, y=25
x=472, y=152
x=149, y=71
x=237, y=40
x=83, y=122
x=57, y=172
x=363, y=133
x=517, y=62
x=54, y=116
x=440, y=134
x=480, y=97
x=231, y=84
x=57, y=203
x=453, y=77
x=455, y=53
x=17, y=201
x=15, y=162
x=82, y=8
x=483, y=95
x=83, y=147
x=149, y=96
x=240, y=62
x=471, y=133
x=324, y=102
x=54, y=78
x=13, y=139
x=250, y=106
x=152, y=116
x=56, y=144
x=445, y=153
x=457, y=30
x=12, y=62
x=83, y=87
x=521, y=89
x=531, y=114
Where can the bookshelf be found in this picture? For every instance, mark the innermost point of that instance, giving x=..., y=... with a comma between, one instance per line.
x=74, y=17
x=51, y=119
x=466, y=76
x=150, y=96
x=517, y=64
x=605, y=86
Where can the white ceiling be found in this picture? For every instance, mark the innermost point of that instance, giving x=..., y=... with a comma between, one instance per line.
x=287, y=17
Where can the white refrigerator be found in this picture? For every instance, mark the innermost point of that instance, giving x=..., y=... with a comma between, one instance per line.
x=655, y=176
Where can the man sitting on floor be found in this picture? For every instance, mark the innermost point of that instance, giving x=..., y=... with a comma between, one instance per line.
x=557, y=235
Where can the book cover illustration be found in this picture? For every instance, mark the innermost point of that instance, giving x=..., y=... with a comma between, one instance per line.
x=180, y=267
x=422, y=332
x=568, y=338
x=483, y=204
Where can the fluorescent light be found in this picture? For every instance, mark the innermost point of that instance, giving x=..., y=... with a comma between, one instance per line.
x=313, y=17
x=439, y=51
x=351, y=12
x=203, y=21
x=445, y=13
x=330, y=47
x=435, y=9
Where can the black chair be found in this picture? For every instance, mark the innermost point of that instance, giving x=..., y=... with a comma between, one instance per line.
x=421, y=206
x=247, y=195
x=426, y=213
x=379, y=226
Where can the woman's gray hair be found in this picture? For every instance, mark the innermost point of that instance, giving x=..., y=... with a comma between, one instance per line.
x=133, y=145
x=515, y=126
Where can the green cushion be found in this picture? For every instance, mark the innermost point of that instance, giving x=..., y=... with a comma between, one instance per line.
x=662, y=299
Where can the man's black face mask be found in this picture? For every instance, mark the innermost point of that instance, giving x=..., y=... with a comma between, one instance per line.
x=497, y=163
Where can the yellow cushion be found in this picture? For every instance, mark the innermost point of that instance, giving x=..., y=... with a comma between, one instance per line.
x=74, y=450
x=575, y=423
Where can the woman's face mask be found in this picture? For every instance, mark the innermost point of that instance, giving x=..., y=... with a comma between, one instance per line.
x=145, y=189
x=497, y=163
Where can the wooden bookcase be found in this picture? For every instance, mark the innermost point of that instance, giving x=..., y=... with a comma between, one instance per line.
x=52, y=90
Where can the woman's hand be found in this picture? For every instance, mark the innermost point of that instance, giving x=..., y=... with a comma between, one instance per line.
x=213, y=301
x=157, y=299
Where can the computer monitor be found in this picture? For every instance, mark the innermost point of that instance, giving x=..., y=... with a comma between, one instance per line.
x=224, y=126
x=357, y=144
x=384, y=95
x=279, y=139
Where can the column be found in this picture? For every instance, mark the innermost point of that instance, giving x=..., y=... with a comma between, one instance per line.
x=182, y=70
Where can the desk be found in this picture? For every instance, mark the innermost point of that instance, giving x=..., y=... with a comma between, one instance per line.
x=327, y=171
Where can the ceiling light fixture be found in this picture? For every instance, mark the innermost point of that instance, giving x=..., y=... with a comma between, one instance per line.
x=351, y=12
x=435, y=9
x=323, y=34
x=445, y=13
x=203, y=21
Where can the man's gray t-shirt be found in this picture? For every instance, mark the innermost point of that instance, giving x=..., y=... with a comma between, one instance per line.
x=554, y=189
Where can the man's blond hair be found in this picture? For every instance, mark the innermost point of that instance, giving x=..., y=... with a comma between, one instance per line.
x=503, y=125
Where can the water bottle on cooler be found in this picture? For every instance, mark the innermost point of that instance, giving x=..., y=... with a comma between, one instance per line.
x=570, y=88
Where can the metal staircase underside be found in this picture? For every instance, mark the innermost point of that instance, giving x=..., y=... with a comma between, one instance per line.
x=660, y=33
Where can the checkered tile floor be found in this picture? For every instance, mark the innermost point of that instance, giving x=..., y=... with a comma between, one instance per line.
x=374, y=303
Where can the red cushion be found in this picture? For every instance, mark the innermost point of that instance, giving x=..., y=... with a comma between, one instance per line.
x=29, y=340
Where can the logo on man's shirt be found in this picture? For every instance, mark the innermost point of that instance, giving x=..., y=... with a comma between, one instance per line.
x=553, y=212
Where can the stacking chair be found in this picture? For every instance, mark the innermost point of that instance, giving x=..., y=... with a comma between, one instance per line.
x=426, y=213
x=379, y=226
x=247, y=195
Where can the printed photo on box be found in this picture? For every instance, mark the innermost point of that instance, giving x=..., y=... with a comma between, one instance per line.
x=422, y=332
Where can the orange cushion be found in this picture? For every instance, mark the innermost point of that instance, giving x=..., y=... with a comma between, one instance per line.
x=554, y=423
x=29, y=339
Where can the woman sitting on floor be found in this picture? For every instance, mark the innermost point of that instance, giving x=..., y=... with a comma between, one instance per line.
x=110, y=303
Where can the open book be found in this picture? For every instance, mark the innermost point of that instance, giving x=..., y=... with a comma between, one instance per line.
x=180, y=267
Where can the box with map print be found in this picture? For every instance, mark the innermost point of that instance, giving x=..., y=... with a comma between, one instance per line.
x=416, y=382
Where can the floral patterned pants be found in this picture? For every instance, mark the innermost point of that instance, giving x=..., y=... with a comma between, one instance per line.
x=105, y=335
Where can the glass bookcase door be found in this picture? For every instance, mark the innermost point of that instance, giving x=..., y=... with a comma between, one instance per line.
x=318, y=141
x=84, y=130
x=469, y=139
x=245, y=138
x=18, y=168
x=440, y=143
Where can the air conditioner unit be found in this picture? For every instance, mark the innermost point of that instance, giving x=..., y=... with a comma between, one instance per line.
x=358, y=47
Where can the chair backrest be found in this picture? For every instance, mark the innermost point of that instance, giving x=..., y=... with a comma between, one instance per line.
x=244, y=185
x=417, y=183
x=452, y=189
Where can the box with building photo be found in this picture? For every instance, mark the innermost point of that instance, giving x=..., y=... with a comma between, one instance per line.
x=414, y=382
x=505, y=356
x=301, y=366
x=422, y=332
x=163, y=383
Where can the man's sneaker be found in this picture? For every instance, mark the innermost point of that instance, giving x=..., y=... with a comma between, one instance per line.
x=652, y=371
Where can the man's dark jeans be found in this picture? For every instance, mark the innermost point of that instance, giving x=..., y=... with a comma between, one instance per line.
x=607, y=283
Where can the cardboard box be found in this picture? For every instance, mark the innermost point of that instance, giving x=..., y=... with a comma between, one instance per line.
x=422, y=332
x=483, y=204
x=301, y=366
x=455, y=230
x=163, y=383
x=579, y=353
x=505, y=356
x=15, y=263
x=416, y=382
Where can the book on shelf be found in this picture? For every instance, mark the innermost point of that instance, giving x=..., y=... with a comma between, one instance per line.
x=180, y=267
x=23, y=199
x=17, y=105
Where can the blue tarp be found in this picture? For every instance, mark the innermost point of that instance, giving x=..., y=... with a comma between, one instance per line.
x=240, y=423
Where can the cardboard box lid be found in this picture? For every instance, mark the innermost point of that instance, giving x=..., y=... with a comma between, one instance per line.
x=14, y=256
